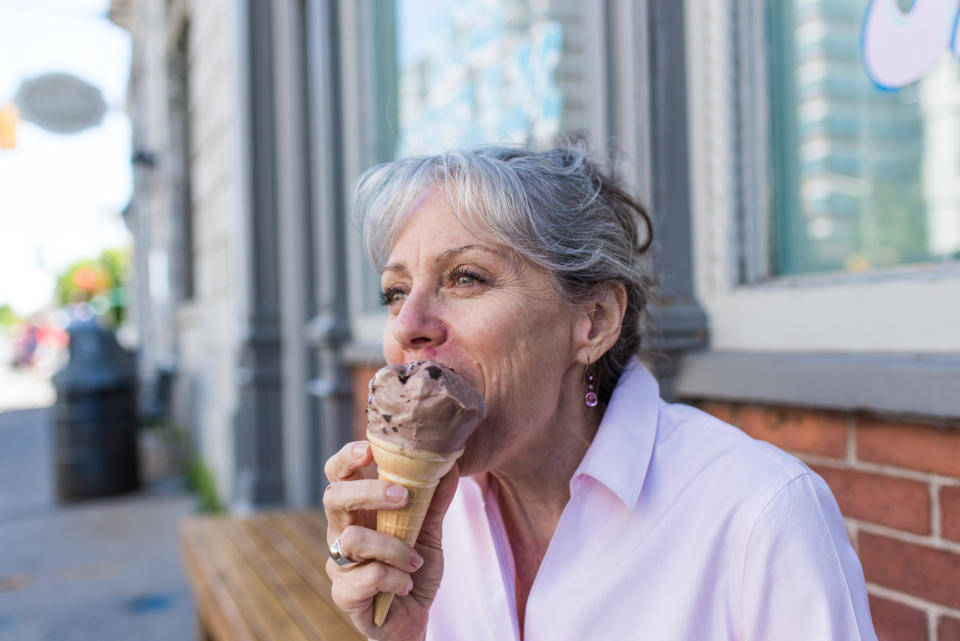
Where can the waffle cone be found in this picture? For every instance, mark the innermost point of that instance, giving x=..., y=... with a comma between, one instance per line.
x=419, y=471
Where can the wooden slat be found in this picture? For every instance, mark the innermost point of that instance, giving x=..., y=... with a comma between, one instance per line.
x=309, y=548
x=312, y=526
x=313, y=519
x=211, y=568
x=278, y=586
x=310, y=567
x=211, y=621
x=283, y=626
x=260, y=607
x=316, y=614
x=215, y=606
x=307, y=534
x=262, y=578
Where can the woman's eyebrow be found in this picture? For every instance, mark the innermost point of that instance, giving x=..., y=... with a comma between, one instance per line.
x=394, y=267
x=445, y=256
x=451, y=253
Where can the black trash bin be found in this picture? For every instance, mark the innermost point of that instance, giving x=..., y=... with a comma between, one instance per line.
x=95, y=417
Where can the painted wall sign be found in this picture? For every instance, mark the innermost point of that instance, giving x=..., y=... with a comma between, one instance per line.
x=899, y=47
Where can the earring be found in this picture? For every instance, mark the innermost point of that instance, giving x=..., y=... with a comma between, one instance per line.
x=590, y=398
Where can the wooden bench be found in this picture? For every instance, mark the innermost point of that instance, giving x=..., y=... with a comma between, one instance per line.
x=262, y=578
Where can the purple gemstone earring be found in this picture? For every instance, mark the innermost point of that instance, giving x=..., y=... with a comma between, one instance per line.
x=590, y=398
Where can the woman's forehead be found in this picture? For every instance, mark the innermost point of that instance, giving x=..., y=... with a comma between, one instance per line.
x=434, y=234
x=421, y=199
x=431, y=220
x=435, y=224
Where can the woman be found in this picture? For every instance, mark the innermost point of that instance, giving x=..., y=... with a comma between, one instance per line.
x=584, y=507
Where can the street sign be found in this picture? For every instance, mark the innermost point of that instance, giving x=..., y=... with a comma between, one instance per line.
x=60, y=102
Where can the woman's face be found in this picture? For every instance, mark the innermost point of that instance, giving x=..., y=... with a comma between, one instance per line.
x=457, y=298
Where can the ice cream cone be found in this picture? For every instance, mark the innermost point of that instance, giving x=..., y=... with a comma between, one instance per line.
x=419, y=416
x=419, y=471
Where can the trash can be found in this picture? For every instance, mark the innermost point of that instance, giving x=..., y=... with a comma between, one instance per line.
x=95, y=417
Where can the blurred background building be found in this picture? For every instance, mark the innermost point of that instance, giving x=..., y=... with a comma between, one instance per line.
x=808, y=227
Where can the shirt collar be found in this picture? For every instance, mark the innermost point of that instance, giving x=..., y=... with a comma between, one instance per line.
x=620, y=453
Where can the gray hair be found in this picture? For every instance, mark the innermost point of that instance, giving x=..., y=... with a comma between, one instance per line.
x=556, y=208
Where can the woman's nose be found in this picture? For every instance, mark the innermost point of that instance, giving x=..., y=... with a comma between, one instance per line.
x=418, y=324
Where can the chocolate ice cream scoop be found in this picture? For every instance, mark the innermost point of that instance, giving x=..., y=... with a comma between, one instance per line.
x=423, y=406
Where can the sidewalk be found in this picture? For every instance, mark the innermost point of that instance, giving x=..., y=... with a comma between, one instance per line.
x=103, y=569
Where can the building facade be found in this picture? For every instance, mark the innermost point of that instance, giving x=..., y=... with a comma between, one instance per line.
x=806, y=228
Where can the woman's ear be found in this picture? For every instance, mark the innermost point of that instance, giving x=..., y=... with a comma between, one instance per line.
x=599, y=326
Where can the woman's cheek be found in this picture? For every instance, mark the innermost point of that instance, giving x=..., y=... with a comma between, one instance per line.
x=391, y=351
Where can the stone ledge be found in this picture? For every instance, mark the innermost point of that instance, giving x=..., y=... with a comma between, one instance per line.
x=923, y=385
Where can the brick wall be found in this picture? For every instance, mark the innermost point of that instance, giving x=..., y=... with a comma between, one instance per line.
x=898, y=486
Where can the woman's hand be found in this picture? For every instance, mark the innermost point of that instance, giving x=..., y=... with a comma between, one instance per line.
x=387, y=564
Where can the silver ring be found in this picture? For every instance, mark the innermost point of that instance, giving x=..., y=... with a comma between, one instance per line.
x=338, y=556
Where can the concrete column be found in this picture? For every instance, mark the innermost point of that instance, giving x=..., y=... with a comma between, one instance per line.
x=329, y=329
x=259, y=423
x=680, y=321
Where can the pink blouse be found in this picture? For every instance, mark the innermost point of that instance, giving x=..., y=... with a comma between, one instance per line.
x=679, y=528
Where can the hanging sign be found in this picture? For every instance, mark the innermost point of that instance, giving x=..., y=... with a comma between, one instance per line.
x=60, y=102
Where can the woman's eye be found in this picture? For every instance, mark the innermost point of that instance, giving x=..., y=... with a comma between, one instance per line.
x=392, y=295
x=463, y=278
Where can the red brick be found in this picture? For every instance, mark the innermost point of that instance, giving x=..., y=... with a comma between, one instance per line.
x=812, y=431
x=726, y=412
x=950, y=512
x=948, y=629
x=361, y=378
x=919, y=447
x=881, y=499
x=897, y=622
x=919, y=570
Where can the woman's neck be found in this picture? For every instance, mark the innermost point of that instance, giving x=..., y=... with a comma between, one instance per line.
x=533, y=490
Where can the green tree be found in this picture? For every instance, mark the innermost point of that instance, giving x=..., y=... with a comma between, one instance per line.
x=100, y=281
x=8, y=317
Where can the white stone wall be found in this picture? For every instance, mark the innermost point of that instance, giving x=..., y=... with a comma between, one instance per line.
x=209, y=326
x=203, y=332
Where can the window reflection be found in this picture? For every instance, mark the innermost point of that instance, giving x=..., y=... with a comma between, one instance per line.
x=479, y=71
x=865, y=177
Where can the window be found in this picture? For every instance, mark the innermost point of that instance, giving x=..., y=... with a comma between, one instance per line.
x=479, y=72
x=865, y=177
x=826, y=210
x=443, y=75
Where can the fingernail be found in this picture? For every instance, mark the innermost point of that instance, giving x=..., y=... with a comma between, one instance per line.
x=406, y=590
x=416, y=560
x=359, y=450
x=396, y=493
